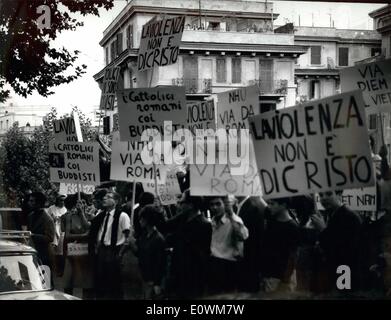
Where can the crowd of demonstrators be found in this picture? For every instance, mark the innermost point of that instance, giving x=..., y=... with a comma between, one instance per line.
x=204, y=246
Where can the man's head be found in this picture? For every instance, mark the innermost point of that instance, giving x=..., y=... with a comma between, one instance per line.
x=37, y=200
x=147, y=198
x=60, y=200
x=98, y=198
x=188, y=204
x=217, y=206
x=111, y=200
x=149, y=215
x=277, y=206
x=331, y=200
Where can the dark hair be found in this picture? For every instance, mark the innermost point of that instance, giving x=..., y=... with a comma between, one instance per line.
x=197, y=202
x=99, y=194
x=150, y=214
x=116, y=196
x=70, y=201
x=40, y=198
x=147, y=198
x=283, y=201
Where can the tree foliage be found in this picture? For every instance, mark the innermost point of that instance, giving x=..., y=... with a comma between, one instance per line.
x=28, y=62
x=24, y=161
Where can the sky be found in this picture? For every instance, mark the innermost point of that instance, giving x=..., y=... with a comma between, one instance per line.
x=85, y=92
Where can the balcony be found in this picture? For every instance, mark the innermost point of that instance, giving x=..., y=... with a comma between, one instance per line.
x=271, y=87
x=194, y=85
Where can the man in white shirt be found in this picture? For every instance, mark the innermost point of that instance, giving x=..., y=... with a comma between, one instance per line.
x=110, y=229
x=228, y=235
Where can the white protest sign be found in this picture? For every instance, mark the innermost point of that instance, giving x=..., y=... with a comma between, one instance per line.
x=374, y=79
x=77, y=249
x=71, y=188
x=361, y=199
x=318, y=146
x=236, y=106
x=127, y=164
x=109, y=89
x=201, y=116
x=148, y=108
x=160, y=41
x=67, y=129
x=167, y=192
x=74, y=162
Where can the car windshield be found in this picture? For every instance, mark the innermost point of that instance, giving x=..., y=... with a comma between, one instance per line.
x=22, y=273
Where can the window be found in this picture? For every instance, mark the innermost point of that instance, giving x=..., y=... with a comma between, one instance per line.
x=129, y=36
x=119, y=43
x=372, y=121
x=266, y=75
x=112, y=51
x=343, y=54
x=316, y=54
x=7, y=124
x=107, y=56
x=375, y=52
x=1, y=125
x=214, y=25
x=221, y=70
x=315, y=89
x=236, y=70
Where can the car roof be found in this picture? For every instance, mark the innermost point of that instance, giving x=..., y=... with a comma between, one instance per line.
x=7, y=246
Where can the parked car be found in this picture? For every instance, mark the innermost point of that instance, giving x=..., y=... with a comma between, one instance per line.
x=22, y=276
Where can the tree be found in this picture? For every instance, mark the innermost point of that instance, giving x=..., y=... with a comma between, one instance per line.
x=28, y=62
x=24, y=162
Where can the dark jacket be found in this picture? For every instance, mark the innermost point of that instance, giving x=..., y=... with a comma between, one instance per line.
x=191, y=243
x=340, y=243
x=42, y=228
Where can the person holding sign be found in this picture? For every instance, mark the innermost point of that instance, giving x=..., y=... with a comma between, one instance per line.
x=228, y=235
x=78, y=269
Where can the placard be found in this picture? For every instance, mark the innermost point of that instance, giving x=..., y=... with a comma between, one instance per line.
x=201, y=116
x=71, y=188
x=74, y=162
x=318, y=146
x=148, y=108
x=110, y=82
x=160, y=41
x=67, y=129
x=374, y=80
x=168, y=192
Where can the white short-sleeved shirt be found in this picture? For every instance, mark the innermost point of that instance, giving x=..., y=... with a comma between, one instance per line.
x=124, y=224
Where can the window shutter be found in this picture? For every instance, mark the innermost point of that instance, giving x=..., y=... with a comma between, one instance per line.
x=221, y=70
x=236, y=70
x=119, y=44
x=343, y=54
x=316, y=54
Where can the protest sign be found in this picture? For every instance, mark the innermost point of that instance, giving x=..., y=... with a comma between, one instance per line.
x=160, y=41
x=74, y=162
x=67, y=129
x=71, y=188
x=148, y=108
x=361, y=199
x=318, y=146
x=127, y=164
x=109, y=89
x=201, y=116
x=77, y=249
x=374, y=79
x=236, y=106
x=168, y=192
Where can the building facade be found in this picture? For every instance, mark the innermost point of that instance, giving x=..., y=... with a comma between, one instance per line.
x=226, y=44
x=27, y=117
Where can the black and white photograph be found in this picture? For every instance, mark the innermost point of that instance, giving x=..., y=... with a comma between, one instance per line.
x=195, y=150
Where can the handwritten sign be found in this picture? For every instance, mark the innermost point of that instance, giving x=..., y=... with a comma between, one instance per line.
x=71, y=188
x=318, y=146
x=127, y=164
x=67, y=129
x=77, y=249
x=147, y=109
x=201, y=116
x=109, y=90
x=160, y=41
x=361, y=199
x=168, y=192
x=236, y=106
x=74, y=162
x=374, y=80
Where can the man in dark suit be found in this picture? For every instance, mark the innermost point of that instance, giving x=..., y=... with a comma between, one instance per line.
x=251, y=210
x=191, y=239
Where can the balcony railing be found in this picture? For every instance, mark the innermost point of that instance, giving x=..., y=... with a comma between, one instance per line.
x=194, y=85
x=271, y=87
